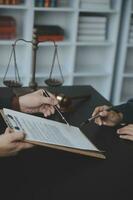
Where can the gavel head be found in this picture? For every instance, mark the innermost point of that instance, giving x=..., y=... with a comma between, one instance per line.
x=64, y=102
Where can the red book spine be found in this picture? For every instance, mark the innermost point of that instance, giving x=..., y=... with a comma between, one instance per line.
x=10, y=2
x=7, y=36
x=46, y=3
x=14, y=2
x=41, y=38
x=7, y=29
x=1, y=1
x=7, y=2
x=7, y=21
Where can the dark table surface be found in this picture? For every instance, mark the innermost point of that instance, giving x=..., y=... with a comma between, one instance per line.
x=52, y=174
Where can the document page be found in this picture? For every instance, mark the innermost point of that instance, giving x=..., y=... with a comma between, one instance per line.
x=48, y=131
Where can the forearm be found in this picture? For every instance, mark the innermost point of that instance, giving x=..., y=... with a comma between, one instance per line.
x=8, y=99
x=15, y=103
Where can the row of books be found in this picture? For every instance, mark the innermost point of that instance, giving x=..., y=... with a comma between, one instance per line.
x=51, y=3
x=7, y=27
x=130, y=36
x=92, y=28
x=48, y=33
x=10, y=2
x=95, y=4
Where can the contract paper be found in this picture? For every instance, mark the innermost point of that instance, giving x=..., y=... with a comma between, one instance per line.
x=47, y=131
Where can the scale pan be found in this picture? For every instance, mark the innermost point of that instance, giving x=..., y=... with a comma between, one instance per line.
x=12, y=83
x=53, y=82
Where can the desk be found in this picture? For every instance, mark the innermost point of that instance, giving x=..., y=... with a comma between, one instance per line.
x=56, y=175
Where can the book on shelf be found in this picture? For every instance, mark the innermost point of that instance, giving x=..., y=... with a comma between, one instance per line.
x=7, y=21
x=10, y=2
x=7, y=36
x=14, y=2
x=39, y=3
x=48, y=29
x=96, y=1
x=54, y=3
x=7, y=27
x=92, y=19
x=50, y=133
x=49, y=32
x=46, y=3
x=91, y=32
x=63, y=3
x=96, y=4
x=92, y=26
x=55, y=38
x=89, y=38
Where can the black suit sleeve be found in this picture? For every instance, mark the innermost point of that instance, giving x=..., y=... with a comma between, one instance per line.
x=6, y=96
x=127, y=110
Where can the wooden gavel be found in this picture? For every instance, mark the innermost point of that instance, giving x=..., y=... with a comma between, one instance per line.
x=65, y=102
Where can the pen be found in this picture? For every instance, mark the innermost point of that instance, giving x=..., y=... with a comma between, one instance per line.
x=45, y=93
x=94, y=117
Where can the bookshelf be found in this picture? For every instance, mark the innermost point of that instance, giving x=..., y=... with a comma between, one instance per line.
x=122, y=88
x=83, y=62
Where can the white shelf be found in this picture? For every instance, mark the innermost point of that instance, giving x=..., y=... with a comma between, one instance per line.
x=87, y=74
x=122, y=88
x=89, y=62
x=102, y=11
x=9, y=42
x=106, y=43
x=128, y=75
x=16, y=7
x=130, y=45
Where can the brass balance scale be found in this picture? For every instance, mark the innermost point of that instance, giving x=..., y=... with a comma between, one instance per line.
x=64, y=101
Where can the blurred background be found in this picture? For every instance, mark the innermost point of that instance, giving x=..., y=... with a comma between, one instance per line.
x=78, y=42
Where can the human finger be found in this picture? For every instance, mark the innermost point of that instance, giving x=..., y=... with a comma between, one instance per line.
x=125, y=130
x=99, y=110
x=49, y=101
x=104, y=113
x=126, y=137
x=8, y=130
x=47, y=111
x=16, y=136
x=48, y=108
x=98, y=121
x=52, y=109
x=96, y=111
x=23, y=145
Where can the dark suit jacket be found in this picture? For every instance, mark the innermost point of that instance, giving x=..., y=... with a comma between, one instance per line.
x=127, y=110
x=6, y=96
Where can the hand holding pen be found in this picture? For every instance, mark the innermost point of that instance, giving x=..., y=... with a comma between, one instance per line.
x=105, y=115
x=46, y=94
